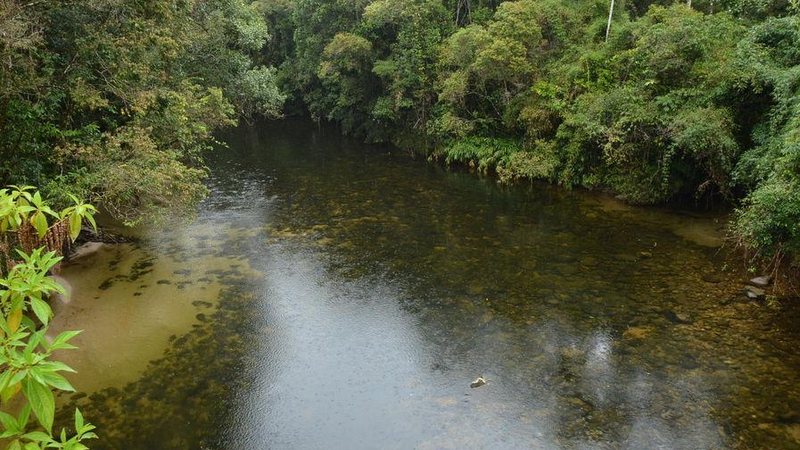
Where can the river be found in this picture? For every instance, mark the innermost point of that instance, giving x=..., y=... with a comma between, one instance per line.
x=334, y=295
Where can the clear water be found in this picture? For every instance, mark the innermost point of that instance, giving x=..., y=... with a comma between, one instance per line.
x=332, y=295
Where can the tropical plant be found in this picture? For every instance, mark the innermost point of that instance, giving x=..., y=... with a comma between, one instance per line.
x=26, y=364
x=28, y=223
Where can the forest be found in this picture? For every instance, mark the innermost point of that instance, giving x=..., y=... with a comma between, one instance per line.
x=118, y=101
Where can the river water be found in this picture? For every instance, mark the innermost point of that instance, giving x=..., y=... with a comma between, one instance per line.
x=333, y=295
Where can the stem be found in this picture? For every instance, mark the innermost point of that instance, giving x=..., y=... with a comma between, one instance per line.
x=610, y=14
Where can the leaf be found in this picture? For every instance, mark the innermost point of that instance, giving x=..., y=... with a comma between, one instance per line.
x=41, y=400
x=14, y=320
x=9, y=422
x=37, y=436
x=55, y=366
x=39, y=222
x=74, y=226
x=18, y=377
x=5, y=378
x=90, y=218
x=60, y=342
x=41, y=309
x=78, y=420
x=9, y=392
x=57, y=381
x=23, y=416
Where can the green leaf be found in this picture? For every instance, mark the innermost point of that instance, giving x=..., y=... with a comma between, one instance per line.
x=5, y=378
x=60, y=342
x=39, y=222
x=55, y=366
x=41, y=309
x=10, y=391
x=41, y=400
x=37, y=436
x=78, y=420
x=74, y=226
x=23, y=416
x=57, y=381
x=90, y=218
x=18, y=377
x=9, y=422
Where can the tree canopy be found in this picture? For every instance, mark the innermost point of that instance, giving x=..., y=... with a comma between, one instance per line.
x=118, y=100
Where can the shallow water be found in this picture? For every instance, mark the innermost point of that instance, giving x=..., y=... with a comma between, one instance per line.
x=332, y=295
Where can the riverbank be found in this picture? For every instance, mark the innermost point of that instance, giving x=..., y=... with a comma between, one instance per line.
x=708, y=223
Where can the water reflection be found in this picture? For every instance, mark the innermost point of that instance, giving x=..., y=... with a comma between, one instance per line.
x=364, y=291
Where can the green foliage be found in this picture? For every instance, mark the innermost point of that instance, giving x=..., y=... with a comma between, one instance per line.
x=768, y=221
x=119, y=100
x=92, y=84
x=680, y=102
x=482, y=153
x=26, y=364
x=658, y=115
x=345, y=72
x=25, y=223
x=258, y=93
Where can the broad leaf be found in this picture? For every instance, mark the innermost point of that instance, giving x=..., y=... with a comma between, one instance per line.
x=40, y=397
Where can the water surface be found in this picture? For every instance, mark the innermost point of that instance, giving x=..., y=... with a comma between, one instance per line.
x=332, y=295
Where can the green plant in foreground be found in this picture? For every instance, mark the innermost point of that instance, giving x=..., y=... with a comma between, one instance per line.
x=26, y=364
x=24, y=223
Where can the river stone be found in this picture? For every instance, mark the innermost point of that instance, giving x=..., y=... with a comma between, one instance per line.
x=678, y=318
x=762, y=281
x=477, y=383
x=754, y=293
x=636, y=333
x=86, y=249
x=712, y=277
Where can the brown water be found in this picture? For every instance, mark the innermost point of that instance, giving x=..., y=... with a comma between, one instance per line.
x=332, y=295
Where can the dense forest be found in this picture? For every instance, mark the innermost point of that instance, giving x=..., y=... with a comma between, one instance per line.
x=117, y=100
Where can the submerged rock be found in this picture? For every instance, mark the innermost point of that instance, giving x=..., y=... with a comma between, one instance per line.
x=87, y=249
x=678, y=318
x=754, y=293
x=712, y=277
x=636, y=333
x=762, y=281
x=480, y=381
